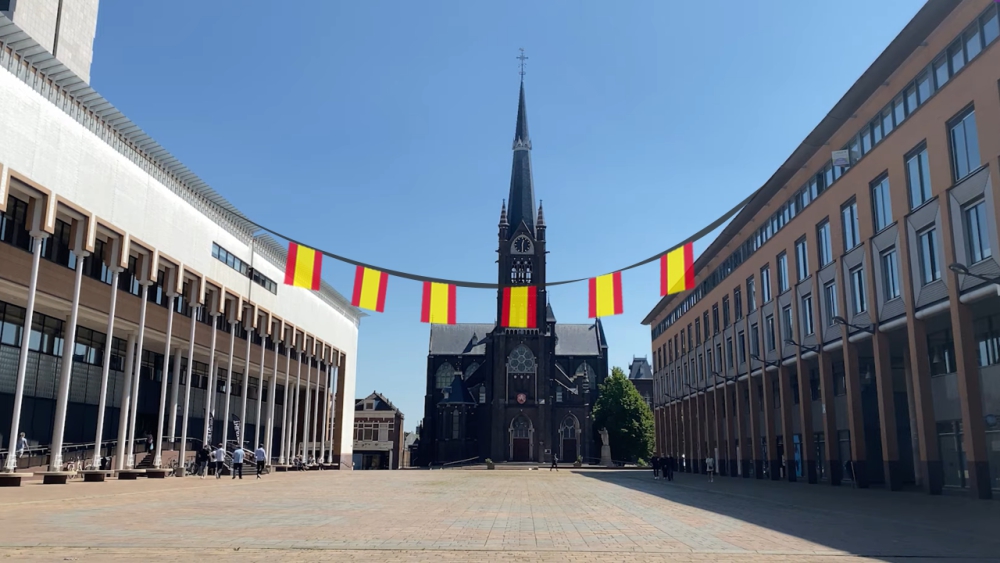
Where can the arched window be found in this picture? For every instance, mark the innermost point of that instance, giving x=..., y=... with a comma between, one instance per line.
x=470, y=370
x=568, y=428
x=521, y=427
x=444, y=376
x=521, y=360
x=520, y=272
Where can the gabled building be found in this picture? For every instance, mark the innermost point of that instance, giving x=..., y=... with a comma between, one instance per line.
x=641, y=375
x=378, y=433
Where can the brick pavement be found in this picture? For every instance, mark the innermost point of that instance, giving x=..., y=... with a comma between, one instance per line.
x=456, y=515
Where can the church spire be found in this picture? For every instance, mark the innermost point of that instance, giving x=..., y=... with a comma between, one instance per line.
x=522, y=191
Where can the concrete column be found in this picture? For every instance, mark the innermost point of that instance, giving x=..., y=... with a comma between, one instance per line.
x=293, y=439
x=333, y=385
x=343, y=444
x=887, y=412
x=229, y=384
x=246, y=389
x=286, y=407
x=306, y=421
x=753, y=448
x=106, y=367
x=174, y=394
x=787, y=432
x=920, y=373
x=271, y=403
x=770, y=427
x=121, y=449
x=212, y=378
x=745, y=456
x=325, y=393
x=971, y=399
x=732, y=425
x=315, y=415
x=260, y=429
x=22, y=362
x=137, y=367
x=805, y=419
x=187, y=388
x=66, y=373
x=835, y=465
x=855, y=418
x=158, y=457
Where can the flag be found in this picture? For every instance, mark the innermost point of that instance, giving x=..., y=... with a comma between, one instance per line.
x=606, y=295
x=369, y=289
x=236, y=427
x=438, y=304
x=677, y=270
x=303, y=266
x=519, y=307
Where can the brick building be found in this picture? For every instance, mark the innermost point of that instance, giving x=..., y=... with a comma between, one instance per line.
x=378, y=434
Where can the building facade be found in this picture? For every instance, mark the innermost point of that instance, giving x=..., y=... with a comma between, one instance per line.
x=64, y=29
x=845, y=325
x=514, y=394
x=168, y=294
x=640, y=373
x=378, y=434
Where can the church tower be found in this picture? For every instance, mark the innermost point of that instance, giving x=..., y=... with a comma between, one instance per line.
x=521, y=231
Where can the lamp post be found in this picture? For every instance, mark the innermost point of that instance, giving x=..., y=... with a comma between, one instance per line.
x=767, y=363
x=804, y=348
x=870, y=329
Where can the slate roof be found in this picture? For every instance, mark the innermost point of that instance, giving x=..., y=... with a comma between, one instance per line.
x=577, y=340
x=640, y=369
x=381, y=403
x=459, y=339
x=521, y=202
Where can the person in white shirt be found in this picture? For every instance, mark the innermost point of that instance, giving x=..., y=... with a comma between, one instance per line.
x=710, y=466
x=261, y=457
x=238, y=462
x=220, y=459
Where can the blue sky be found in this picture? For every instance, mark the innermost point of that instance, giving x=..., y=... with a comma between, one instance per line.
x=382, y=130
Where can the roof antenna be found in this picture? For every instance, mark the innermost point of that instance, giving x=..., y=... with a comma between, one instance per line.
x=521, y=58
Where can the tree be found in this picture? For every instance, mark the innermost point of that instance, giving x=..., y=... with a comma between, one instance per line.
x=622, y=410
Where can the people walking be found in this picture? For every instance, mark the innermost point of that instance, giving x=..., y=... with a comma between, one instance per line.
x=220, y=460
x=238, y=462
x=710, y=468
x=22, y=444
x=669, y=468
x=655, y=462
x=261, y=457
x=201, y=458
x=555, y=462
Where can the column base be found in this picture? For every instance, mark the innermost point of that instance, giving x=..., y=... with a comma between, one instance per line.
x=758, y=468
x=893, y=475
x=860, y=474
x=836, y=472
x=979, y=480
x=733, y=471
x=774, y=469
x=811, y=477
x=341, y=464
x=746, y=468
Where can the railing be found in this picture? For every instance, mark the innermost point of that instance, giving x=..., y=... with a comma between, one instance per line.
x=79, y=454
x=470, y=461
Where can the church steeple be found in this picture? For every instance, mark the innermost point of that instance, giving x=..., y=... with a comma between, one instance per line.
x=522, y=191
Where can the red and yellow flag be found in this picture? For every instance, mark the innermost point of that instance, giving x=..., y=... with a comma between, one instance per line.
x=438, y=304
x=303, y=266
x=606, y=295
x=519, y=307
x=369, y=289
x=677, y=270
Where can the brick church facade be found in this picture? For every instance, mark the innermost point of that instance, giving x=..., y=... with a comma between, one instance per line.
x=514, y=394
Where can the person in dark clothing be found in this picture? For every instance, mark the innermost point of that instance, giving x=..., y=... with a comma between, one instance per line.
x=555, y=462
x=668, y=468
x=201, y=458
x=655, y=462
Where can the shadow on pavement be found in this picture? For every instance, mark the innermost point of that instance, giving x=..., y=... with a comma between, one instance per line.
x=866, y=522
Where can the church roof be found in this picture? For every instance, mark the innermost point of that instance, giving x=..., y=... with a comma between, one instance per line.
x=521, y=203
x=577, y=340
x=458, y=394
x=459, y=339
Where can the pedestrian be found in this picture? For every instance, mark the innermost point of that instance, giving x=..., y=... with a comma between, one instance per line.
x=710, y=467
x=238, y=462
x=220, y=460
x=201, y=458
x=655, y=462
x=555, y=462
x=22, y=444
x=670, y=468
x=261, y=456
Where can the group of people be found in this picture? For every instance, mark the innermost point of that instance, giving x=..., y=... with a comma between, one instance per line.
x=667, y=465
x=217, y=457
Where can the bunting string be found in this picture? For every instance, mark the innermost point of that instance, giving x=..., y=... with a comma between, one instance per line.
x=479, y=285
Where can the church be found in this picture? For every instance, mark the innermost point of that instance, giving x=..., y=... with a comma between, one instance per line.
x=514, y=394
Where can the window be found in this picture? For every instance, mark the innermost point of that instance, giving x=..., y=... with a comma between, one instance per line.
x=697, y=332
x=976, y=234
x=228, y=258
x=751, y=295
x=718, y=357
x=941, y=352
x=782, y=273
x=559, y=393
x=807, y=315
x=890, y=274
x=830, y=296
x=964, y=145
x=858, y=290
x=881, y=203
x=849, y=218
x=737, y=303
x=444, y=376
x=770, y=333
x=786, y=323
x=725, y=311
x=715, y=318
x=765, y=284
x=991, y=27
x=704, y=324
x=801, y=260
x=741, y=343
x=823, y=243
x=754, y=339
x=729, y=352
x=918, y=177
x=929, y=270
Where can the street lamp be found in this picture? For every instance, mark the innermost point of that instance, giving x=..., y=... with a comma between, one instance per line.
x=765, y=362
x=870, y=329
x=963, y=270
x=725, y=377
x=814, y=349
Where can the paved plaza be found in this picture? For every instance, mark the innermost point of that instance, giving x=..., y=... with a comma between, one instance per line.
x=465, y=515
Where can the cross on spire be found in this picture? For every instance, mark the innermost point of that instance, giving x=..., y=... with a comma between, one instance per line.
x=521, y=58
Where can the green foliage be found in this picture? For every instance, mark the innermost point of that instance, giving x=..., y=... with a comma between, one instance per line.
x=622, y=410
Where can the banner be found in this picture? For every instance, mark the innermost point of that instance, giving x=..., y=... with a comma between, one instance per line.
x=236, y=427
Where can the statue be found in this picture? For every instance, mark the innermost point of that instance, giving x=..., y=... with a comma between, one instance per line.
x=604, y=436
x=605, y=449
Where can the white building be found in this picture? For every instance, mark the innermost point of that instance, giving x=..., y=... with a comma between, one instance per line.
x=158, y=247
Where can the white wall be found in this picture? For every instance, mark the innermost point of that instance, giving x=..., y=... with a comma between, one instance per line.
x=44, y=144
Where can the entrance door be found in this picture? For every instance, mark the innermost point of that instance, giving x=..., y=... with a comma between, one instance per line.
x=568, y=454
x=522, y=449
